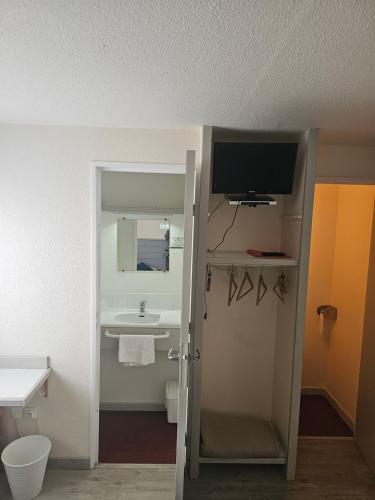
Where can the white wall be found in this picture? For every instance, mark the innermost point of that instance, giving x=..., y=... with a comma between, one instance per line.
x=162, y=290
x=45, y=261
x=136, y=385
x=239, y=340
x=137, y=190
x=346, y=161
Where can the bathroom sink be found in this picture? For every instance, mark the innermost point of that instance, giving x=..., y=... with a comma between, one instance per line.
x=136, y=319
x=130, y=318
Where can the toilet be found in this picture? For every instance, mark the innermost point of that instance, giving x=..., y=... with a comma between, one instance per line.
x=171, y=398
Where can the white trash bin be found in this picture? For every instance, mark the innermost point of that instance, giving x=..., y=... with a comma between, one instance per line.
x=171, y=400
x=25, y=461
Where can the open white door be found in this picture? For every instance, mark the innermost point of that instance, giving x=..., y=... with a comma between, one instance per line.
x=183, y=356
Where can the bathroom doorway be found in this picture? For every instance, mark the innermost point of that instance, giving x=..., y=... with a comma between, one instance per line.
x=143, y=224
x=141, y=276
x=341, y=242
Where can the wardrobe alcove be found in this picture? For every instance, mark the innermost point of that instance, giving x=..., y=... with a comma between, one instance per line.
x=251, y=355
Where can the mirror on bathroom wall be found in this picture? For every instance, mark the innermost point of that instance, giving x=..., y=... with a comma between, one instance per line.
x=142, y=244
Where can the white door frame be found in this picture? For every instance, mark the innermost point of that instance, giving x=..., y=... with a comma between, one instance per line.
x=96, y=168
x=185, y=329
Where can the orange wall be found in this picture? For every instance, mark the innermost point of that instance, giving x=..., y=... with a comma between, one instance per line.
x=342, y=223
x=320, y=279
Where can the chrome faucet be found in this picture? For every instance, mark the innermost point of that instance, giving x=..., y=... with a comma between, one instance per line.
x=142, y=308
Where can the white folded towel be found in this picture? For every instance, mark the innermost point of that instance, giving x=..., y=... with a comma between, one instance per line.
x=136, y=350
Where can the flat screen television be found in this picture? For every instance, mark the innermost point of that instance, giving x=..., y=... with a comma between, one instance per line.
x=253, y=168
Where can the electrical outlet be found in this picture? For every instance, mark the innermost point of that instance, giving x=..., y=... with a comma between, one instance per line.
x=30, y=413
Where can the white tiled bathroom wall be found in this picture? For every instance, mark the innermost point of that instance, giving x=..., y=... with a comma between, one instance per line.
x=124, y=300
x=136, y=387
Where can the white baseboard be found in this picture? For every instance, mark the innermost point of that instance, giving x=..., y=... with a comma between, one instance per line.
x=322, y=391
x=119, y=406
x=312, y=391
x=171, y=467
x=340, y=410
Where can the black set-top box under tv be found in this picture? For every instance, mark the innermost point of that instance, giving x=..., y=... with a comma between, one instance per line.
x=253, y=168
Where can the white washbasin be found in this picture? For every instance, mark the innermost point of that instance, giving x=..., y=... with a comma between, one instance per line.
x=136, y=319
x=130, y=318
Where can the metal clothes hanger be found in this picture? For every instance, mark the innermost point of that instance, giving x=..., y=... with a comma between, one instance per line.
x=280, y=288
x=262, y=288
x=208, y=278
x=246, y=280
x=232, y=287
x=207, y=289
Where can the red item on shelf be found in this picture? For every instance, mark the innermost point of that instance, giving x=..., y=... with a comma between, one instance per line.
x=255, y=253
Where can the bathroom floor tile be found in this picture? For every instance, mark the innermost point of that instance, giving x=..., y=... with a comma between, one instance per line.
x=136, y=437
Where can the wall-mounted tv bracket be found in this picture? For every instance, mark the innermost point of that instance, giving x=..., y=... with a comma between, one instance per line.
x=250, y=200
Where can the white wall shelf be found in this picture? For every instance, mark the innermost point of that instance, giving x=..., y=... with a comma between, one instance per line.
x=21, y=377
x=242, y=258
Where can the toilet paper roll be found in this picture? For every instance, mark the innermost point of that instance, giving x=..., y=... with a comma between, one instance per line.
x=322, y=324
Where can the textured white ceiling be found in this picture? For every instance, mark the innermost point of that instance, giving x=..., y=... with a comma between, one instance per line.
x=178, y=63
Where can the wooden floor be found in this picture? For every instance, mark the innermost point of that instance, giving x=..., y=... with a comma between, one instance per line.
x=327, y=470
x=319, y=418
x=105, y=484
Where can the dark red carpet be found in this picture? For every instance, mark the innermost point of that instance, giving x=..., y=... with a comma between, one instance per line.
x=319, y=418
x=136, y=437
